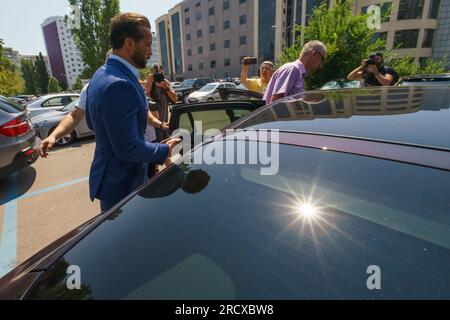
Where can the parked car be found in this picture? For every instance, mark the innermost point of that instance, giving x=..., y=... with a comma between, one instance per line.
x=422, y=80
x=209, y=92
x=341, y=84
x=52, y=102
x=45, y=123
x=360, y=194
x=175, y=84
x=188, y=86
x=18, y=141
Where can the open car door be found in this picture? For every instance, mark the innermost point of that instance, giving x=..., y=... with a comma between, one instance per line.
x=211, y=115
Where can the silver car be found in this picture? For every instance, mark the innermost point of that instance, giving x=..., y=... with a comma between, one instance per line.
x=51, y=102
x=18, y=141
x=47, y=122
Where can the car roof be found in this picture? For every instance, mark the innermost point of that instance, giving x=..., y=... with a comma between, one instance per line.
x=414, y=115
x=427, y=76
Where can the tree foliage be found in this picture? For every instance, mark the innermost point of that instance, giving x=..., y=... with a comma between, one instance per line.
x=10, y=81
x=30, y=76
x=92, y=38
x=406, y=66
x=53, y=86
x=42, y=76
x=78, y=85
x=346, y=36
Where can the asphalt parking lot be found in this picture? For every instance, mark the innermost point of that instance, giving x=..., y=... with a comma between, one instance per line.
x=43, y=202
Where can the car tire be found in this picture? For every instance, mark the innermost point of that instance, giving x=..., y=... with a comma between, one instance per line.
x=210, y=99
x=66, y=140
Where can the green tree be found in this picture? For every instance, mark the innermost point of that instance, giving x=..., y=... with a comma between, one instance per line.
x=41, y=74
x=406, y=66
x=346, y=36
x=92, y=38
x=143, y=73
x=53, y=86
x=10, y=81
x=78, y=85
x=30, y=76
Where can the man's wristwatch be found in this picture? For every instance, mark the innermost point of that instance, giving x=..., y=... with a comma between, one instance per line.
x=161, y=125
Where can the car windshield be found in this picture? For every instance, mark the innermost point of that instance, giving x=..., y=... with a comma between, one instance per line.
x=187, y=83
x=209, y=87
x=310, y=232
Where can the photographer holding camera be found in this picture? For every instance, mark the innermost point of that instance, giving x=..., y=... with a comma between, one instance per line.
x=159, y=90
x=259, y=84
x=374, y=72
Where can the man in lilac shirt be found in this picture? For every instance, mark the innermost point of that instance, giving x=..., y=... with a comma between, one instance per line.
x=289, y=79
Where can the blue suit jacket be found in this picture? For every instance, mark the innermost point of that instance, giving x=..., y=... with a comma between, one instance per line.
x=117, y=112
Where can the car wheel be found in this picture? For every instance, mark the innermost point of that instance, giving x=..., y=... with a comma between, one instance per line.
x=66, y=140
x=210, y=99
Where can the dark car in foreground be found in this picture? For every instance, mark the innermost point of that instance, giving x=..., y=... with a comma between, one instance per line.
x=18, y=141
x=358, y=209
x=425, y=80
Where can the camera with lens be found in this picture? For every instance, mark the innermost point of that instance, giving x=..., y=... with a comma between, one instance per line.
x=371, y=61
x=158, y=77
x=251, y=60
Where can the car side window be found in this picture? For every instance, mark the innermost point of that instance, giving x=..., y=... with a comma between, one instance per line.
x=53, y=102
x=211, y=119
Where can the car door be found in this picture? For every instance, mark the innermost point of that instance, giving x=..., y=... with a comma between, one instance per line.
x=212, y=115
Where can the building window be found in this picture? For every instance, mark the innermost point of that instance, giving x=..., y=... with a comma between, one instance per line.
x=188, y=37
x=434, y=9
x=213, y=64
x=226, y=24
x=200, y=66
x=410, y=9
x=186, y=10
x=200, y=50
x=212, y=47
x=385, y=11
x=211, y=11
x=428, y=38
x=226, y=5
x=197, y=5
x=243, y=19
x=382, y=36
x=227, y=62
x=189, y=67
x=406, y=38
x=242, y=40
x=212, y=29
x=187, y=21
x=226, y=44
x=242, y=1
x=189, y=52
x=199, y=33
x=198, y=16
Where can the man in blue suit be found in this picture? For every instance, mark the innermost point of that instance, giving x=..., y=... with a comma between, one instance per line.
x=117, y=112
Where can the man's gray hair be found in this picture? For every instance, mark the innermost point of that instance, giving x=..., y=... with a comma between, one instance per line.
x=314, y=45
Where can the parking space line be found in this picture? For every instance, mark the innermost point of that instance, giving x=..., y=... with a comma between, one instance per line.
x=8, y=240
x=59, y=186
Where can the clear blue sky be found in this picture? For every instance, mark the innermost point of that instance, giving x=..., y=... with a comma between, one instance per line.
x=20, y=20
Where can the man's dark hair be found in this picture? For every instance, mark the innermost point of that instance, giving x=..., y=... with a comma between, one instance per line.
x=127, y=25
x=373, y=54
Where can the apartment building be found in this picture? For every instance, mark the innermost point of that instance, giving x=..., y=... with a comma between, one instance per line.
x=65, y=59
x=209, y=38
